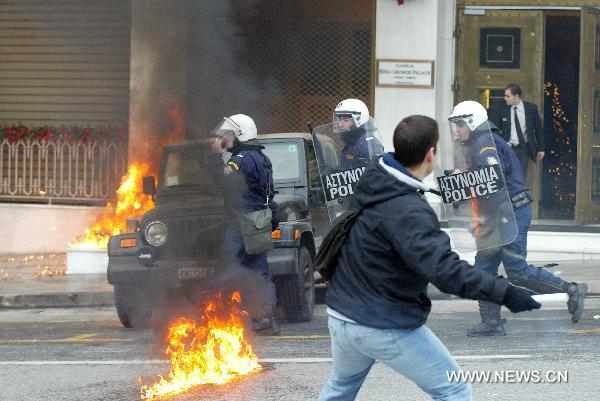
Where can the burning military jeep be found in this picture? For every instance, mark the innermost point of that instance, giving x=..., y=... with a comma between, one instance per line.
x=176, y=250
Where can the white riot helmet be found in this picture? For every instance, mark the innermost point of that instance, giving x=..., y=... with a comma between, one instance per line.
x=471, y=112
x=351, y=108
x=240, y=125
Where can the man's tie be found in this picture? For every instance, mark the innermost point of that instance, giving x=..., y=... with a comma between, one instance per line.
x=520, y=136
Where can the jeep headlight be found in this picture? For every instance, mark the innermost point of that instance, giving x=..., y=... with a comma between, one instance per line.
x=156, y=233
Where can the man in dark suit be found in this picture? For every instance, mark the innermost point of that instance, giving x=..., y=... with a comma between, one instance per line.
x=520, y=126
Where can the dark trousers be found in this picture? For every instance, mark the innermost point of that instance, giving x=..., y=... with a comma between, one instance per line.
x=257, y=288
x=522, y=153
x=514, y=256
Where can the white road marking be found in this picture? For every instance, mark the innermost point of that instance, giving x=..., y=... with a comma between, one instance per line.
x=488, y=357
x=265, y=360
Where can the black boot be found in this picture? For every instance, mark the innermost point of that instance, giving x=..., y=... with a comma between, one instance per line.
x=576, y=300
x=491, y=321
x=275, y=328
x=575, y=291
x=267, y=325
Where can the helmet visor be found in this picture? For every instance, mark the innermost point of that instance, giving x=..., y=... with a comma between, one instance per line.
x=227, y=126
x=344, y=120
x=460, y=129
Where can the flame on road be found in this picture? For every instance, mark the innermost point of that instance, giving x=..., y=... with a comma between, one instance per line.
x=209, y=350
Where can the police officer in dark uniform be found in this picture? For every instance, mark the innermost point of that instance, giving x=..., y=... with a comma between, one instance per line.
x=249, y=183
x=350, y=118
x=473, y=130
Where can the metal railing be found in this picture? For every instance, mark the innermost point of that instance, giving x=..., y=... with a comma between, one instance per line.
x=61, y=171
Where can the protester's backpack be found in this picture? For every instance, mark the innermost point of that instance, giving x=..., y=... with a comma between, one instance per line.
x=327, y=257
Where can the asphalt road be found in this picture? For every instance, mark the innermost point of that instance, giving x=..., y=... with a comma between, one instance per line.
x=84, y=354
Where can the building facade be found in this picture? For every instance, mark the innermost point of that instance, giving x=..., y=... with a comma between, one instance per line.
x=549, y=48
x=286, y=63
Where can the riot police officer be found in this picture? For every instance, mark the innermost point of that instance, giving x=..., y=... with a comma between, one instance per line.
x=472, y=128
x=249, y=188
x=350, y=119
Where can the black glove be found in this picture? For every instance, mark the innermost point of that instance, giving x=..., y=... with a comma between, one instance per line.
x=518, y=300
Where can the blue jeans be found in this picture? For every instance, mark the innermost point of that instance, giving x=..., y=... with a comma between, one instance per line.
x=416, y=354
x=235, y=254
x=513, y=256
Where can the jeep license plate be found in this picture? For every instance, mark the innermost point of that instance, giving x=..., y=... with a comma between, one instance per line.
x=195, y=273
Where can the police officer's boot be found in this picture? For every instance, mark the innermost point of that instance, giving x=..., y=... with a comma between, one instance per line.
x=491, y=321
x=275, y=328
x=538, y=285
x=576, y=300
x=266, y=326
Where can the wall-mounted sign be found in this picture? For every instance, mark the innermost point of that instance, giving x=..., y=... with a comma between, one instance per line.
x=405, y=73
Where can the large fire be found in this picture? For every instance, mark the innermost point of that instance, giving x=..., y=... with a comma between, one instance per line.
x=131, y=203
x=208, y=350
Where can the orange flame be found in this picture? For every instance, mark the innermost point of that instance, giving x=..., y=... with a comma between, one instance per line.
x=131, y=203
x=210, y=351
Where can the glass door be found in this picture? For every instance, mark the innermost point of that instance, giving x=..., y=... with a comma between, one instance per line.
x=587, y=206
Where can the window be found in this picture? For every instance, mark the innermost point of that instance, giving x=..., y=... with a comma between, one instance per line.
x=186, y=166
x=285, y=160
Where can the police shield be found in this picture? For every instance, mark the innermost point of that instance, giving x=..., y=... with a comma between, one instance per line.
x=342, y=156
x=474, y=194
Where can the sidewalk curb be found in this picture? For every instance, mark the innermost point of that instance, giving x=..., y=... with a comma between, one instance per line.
x=57, y=300
x=100, y=299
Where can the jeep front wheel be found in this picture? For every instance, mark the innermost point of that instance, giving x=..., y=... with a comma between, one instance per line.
x=134, y=309
x=297, y=291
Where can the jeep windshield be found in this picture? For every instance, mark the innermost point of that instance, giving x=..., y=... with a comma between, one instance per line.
x=284, y=158
x=186, y=167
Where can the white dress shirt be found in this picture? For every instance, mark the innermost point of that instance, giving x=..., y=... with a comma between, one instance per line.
x=514, y=139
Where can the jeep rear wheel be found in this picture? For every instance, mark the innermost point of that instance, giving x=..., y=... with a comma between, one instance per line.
x=134, y=308
x=297, y=291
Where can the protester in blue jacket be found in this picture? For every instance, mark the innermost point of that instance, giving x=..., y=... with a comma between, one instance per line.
x=377, y=299
x=248, y=179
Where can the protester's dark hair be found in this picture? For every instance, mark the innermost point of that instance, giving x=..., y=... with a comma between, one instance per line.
x=514, y=89
x=413, y=137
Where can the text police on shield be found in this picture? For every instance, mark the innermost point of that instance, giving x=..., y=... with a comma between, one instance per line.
x=471, y=184
x=340, y=184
